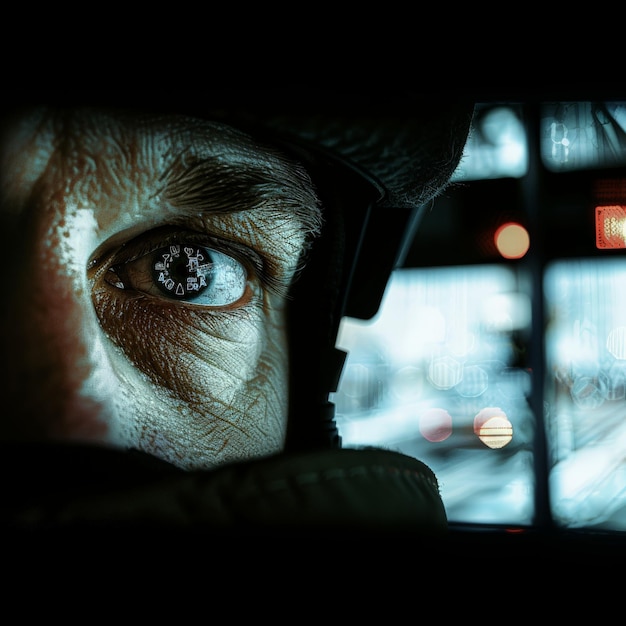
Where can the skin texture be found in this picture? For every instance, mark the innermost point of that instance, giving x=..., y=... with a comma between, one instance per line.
x=94, y=351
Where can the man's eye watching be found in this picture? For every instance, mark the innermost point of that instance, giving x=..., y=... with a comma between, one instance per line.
x=188, y=273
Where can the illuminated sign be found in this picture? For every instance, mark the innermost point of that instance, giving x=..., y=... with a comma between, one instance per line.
x=610, y=227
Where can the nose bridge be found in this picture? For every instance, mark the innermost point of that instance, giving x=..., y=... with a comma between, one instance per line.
x=49, y=328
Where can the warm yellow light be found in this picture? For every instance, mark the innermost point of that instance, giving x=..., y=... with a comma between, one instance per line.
x=512, y=240
x=496, y=432
x=493, y=428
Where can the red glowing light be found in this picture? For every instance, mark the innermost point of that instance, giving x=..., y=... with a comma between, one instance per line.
x=610, y=227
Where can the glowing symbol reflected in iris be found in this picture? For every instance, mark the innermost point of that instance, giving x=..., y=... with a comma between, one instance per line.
x=181, y=272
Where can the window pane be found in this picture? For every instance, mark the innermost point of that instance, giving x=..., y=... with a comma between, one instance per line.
x=497, y=145
x=439, y=374
x=583, y=135
x=585, y=391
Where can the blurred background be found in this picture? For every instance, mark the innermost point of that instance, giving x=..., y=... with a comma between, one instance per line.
x=498, y=355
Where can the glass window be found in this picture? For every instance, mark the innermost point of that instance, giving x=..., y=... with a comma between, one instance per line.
x=586, y=391
x=583, y=135
x=498, y=355
x=497, y=146
x=439, y=374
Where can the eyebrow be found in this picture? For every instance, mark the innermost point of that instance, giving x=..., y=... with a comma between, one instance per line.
x=211, y=184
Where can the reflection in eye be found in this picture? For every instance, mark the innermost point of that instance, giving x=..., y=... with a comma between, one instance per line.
x=189, y=273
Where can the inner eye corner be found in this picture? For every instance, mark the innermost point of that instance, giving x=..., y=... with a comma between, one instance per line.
x=96, y=266
x=98, y=261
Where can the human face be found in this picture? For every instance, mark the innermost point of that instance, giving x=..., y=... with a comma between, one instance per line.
x=146, y=269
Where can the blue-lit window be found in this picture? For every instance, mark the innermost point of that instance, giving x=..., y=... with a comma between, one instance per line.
x=586, y=391
x=435, y=375
x=583, y=135
x=497, y=146
x=505, y=371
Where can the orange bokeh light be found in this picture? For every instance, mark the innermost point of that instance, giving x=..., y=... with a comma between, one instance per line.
x=512, y=240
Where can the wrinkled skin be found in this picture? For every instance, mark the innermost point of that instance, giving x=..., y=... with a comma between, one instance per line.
x=94, y=351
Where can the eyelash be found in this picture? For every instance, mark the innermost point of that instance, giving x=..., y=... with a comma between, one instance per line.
x=171, y=237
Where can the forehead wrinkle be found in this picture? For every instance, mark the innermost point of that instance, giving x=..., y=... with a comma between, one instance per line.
x=140, y=166
x=98, y=161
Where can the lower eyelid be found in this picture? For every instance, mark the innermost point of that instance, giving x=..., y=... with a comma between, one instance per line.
x=134, y=306
x=145, y=327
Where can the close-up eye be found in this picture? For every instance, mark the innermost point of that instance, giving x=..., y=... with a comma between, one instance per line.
x=185, y=272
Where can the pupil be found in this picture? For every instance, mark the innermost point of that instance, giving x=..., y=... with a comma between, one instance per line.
x=176, y=270
x=179, y=271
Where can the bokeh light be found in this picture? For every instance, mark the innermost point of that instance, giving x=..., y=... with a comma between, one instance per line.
x=435, y=425
x=493, y=428
x=512, y=240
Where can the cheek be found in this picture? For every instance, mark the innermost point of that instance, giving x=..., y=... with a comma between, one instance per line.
x=183, y=349
x=200, y=389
